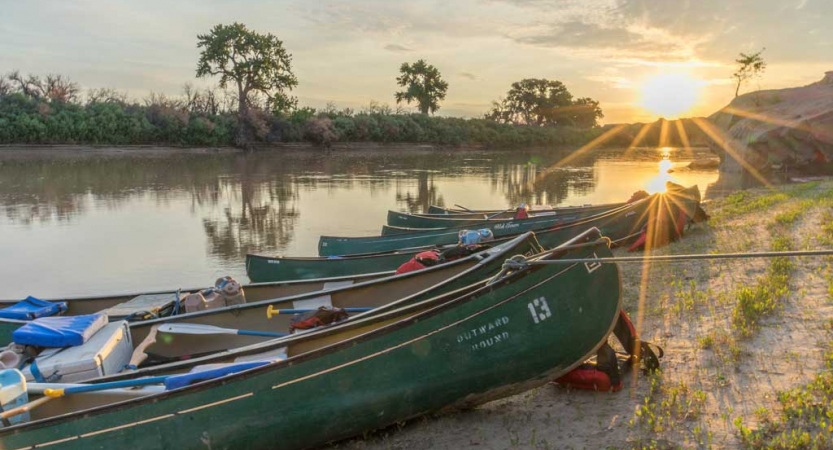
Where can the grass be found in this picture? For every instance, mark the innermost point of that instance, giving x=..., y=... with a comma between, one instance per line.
x=806, y=417
x=767, y=294
x=746, y=202
x=806, y=420
x=666, y=407
x=688, y=297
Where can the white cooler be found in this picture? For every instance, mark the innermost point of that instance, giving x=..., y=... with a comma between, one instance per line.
x=107, y=352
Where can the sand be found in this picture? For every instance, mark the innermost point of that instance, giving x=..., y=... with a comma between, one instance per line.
x=711, y=375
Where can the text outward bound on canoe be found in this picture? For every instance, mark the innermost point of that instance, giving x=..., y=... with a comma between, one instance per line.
x=486, y=335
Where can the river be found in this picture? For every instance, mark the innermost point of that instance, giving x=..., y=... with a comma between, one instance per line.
x=85, y=225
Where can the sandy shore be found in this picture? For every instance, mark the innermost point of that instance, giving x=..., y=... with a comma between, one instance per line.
x=737, y=334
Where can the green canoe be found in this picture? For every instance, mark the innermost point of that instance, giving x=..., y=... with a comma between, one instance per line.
x=618, y=225
x=261, y=268
x=330, y=246
x=553, y=218
x=252, y=315
x=405, y=220
x=520, y=332
x=161, y=302
x=434, y=210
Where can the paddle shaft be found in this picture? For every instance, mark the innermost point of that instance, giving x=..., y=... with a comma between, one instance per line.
x=196, y=328
x=495, y=215
x=25, y=408
x=103, y=386
x=260, y=333
x=301, y=311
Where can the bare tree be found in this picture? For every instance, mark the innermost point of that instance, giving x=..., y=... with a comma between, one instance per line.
x=159, y=99
x=210, y=102
x=29, y=86
x=192, y=96
x=58, y=88
x=5, y=87
x=229, y=101
x=201, y=101
x=106, y=95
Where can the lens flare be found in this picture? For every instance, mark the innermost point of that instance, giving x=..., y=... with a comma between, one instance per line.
x=670, y=94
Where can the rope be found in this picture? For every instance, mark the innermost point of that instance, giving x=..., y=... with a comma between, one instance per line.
x=674, y=258
x=626, y=238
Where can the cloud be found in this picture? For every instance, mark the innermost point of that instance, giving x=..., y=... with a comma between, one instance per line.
x=618, y=42
x=397, y=48
x=470, y=76
x=726, y=28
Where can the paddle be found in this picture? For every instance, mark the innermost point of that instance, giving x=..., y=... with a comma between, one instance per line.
x=51, y=394
x=60, y=392
x=463, y=208
x=495, y=215
x=171, y=381
x=24, y=408
x=194, y=328
x=271, y=311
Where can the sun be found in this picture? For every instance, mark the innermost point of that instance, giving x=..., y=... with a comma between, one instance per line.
x=670, y=94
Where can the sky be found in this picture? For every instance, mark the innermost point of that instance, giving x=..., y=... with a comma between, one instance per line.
x=348, y=52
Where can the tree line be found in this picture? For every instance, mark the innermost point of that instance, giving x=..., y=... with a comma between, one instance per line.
x=252, y=104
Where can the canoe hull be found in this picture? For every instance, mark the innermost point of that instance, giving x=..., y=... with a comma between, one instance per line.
x=265, y=268
x=405, y=220
x=463, y=353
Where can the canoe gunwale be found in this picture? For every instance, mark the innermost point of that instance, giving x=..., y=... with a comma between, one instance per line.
x=261, y=303
x=195, y=289
x=373, y=334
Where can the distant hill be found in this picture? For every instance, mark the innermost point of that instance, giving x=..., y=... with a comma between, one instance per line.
x=773, y=128
x=662, y=133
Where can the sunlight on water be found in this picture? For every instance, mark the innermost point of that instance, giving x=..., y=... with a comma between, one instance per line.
x=657, y=184
x=103, y=225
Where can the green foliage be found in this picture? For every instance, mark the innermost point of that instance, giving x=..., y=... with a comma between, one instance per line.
x=749, y=67
x=255, y=63
x=806, y=420
x=667, y=406
x=207, y=118
x=35, y=121
x=423, y=84
x=541, y=102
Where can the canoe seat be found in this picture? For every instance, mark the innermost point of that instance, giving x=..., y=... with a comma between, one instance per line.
x=145, y=306
x=62, y=331
x=31, y=308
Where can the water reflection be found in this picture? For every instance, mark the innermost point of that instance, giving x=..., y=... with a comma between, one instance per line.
x=426, y=194
x=196, y=216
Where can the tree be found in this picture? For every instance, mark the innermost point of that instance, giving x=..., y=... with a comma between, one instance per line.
x=750, y=66
x=5, y=87
x=56, y=88
x=257, y=64
x=423, y=84
x=543, y=102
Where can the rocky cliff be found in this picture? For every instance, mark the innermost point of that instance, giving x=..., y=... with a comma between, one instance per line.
x=775, y=128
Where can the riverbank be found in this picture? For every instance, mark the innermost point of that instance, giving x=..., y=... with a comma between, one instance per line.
x=22, y=152
x=26, y=150
x=747, y=344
